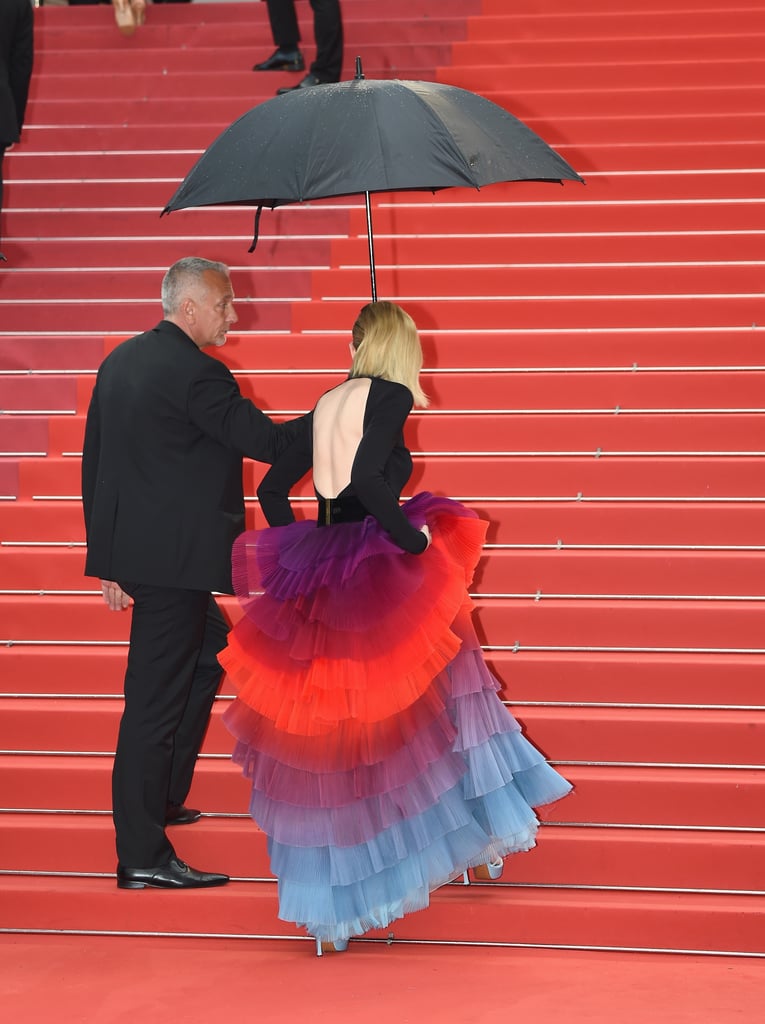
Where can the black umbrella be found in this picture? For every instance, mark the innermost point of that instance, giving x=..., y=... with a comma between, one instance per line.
x=365, y=136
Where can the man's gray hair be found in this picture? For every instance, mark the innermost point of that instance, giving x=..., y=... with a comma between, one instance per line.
x=181, y=275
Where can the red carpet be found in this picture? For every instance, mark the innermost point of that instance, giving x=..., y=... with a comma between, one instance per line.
x=214, y=982
x=594, y=355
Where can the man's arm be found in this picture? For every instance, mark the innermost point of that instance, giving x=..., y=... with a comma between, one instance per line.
x=218, y=408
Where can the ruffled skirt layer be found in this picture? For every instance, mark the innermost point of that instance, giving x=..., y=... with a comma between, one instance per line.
x=382, y=761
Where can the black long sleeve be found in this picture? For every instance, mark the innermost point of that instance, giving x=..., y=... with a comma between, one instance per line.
x=383, y=464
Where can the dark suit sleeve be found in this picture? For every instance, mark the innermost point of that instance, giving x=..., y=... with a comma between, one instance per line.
x=218, y=409
x=90, y=451
x=290, y=467
x=20, y=62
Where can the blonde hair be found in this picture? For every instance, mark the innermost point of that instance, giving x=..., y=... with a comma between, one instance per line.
x=391, y=347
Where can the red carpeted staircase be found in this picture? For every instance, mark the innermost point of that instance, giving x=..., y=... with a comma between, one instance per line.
x=594, y=358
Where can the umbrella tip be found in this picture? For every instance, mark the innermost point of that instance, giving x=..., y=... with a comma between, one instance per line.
x=359, y=72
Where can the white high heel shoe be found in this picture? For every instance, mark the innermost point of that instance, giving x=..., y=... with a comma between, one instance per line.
x=484, y=872
x=338, y=946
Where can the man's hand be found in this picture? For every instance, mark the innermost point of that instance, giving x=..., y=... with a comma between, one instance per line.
x=114, y=596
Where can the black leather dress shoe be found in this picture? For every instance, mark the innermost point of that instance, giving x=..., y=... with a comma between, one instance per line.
x=304, y=83
x=173, y=875
x=282, y=60
x=179, y=814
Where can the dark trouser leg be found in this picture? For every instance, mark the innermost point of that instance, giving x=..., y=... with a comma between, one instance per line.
x=2, y=154
x=167, y=638
x=191, y=732
x=284, y=24
x=328, y=30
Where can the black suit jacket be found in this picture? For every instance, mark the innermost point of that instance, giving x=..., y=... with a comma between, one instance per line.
x=166, y=431
x=16, y=55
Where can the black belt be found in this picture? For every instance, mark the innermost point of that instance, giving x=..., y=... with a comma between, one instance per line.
x=340, y=510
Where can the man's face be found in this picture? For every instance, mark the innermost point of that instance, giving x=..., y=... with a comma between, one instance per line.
x=210, y=310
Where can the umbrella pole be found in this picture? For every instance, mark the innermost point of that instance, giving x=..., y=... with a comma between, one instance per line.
x=371, y=247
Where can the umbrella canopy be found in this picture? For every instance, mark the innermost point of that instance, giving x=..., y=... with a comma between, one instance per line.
x=366, y=136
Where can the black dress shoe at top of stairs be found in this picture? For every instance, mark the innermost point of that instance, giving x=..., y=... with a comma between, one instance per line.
x=305, y=83
x=282, y=60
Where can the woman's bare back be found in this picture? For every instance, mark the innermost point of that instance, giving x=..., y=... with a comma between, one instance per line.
x=338, y=426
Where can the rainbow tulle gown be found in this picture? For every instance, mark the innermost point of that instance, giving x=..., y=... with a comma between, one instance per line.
x=382, y=761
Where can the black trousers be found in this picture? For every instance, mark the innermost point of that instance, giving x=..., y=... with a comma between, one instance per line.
x=3, y=147
x=327, y=30
x=170, y=684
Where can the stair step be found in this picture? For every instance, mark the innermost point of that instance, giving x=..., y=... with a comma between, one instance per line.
x=567, y=521
x=627, y=678
x=275, y=254
x=539, y=208
x=22, y=394
x=528, y=99
x=637, y=24
x=9, y=480
x=634, y=351
x=648, y=47
x=533, y=74
x=515, y=253
x=546, y=312
x=508, y=258
x=24, y=435
x=708, y=798
x=590, y=573
x=491, y=914
x=89, y=221
x=127, y=316
x=500, y=281
x=453, y=212
x=665, y=736
x=612, y=393
x=236, y=12
x=599, y=435
x=657, y=203
x=651, y=625
x=568, y=679
x=566, y=856
x=30, y=353
x=141, y=285
x=496, y=476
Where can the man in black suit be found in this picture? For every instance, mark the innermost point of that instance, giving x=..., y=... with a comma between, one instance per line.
x=16, y=56
x=167, y=429
x=328, y=33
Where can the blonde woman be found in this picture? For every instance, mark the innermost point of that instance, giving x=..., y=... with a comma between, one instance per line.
x=382, y=762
